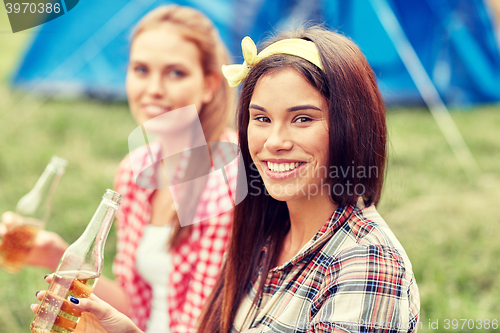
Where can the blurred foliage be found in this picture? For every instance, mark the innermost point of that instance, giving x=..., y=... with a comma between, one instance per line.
x=448, y=224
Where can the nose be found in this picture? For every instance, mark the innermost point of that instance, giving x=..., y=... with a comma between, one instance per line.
x=278, y=139
x=155, y=86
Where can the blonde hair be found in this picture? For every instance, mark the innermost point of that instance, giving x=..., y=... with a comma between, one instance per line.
x=195, y=27
x=214, y=116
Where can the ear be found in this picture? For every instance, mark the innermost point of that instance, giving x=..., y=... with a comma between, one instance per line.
x=212, y=83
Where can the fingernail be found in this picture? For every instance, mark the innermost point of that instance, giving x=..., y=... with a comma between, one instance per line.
x=36, y=294
x=74, y=300
x=45, y=276
x=31, y=306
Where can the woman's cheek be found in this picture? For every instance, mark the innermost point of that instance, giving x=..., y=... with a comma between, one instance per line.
x=185, y=95
x=256, y=140
x=251, y=138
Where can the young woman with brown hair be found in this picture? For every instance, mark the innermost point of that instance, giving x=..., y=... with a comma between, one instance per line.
x=313, y=125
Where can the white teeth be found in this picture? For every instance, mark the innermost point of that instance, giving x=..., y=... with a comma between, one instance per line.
x=282, y=167
x=156, y=109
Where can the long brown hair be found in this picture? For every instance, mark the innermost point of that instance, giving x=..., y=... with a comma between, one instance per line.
x=195, y=27
x=357, y=138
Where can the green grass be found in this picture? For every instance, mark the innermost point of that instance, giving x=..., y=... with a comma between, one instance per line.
x=93, y=138
x=448, y=224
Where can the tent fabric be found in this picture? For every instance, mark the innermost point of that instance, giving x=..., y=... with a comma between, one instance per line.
x=85, y=51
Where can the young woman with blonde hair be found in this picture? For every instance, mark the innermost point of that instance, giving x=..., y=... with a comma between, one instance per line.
x=165, y=271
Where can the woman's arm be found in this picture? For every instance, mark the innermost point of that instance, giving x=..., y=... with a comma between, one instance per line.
x=111, y=292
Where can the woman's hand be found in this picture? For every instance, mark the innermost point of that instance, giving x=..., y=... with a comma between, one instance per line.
x=47, y=248
x=110, y=319
x=98, y=316
x=47, y=251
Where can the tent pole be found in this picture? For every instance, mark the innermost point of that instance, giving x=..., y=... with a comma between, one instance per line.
x=426, y=87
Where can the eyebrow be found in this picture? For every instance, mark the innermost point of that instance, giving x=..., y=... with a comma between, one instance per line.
x=145, y=62
x=293, y=108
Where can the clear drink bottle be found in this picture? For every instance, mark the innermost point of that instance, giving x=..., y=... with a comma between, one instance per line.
x=77, y=273
x=32, y=212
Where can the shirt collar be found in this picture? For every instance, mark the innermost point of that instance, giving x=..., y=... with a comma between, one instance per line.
x=334, y=223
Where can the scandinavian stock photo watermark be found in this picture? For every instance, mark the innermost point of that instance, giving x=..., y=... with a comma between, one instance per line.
x=357, y=325
x=432, y=324
x=323, y=174
x=170, y=150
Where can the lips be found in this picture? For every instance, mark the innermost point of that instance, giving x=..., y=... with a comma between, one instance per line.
x=281, y=169
x=153, y=110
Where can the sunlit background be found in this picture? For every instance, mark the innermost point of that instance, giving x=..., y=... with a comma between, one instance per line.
x=438, y=64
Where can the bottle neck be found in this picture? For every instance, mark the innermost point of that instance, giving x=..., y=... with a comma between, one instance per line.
x=87, y=252
x=97, y=231
x=36, y=204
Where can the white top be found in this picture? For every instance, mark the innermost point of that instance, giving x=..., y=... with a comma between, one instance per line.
x=154, y=264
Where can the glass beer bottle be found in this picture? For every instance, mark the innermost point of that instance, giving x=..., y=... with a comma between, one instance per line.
x=77, y=273
x=32, y=212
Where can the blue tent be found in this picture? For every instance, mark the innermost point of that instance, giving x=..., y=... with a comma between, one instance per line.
x=84, y=52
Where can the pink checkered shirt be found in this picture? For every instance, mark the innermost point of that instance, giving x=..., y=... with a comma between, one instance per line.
x=196, y=261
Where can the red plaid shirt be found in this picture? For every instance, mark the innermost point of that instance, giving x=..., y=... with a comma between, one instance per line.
x=196, y=261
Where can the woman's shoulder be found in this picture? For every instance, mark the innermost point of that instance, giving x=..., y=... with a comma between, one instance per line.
x=136, y=162
x=367, y=244
x=370, y=229
x=365, y=236
x=225, y=155
x=225, y=149
x=229, y=135
x=373, y=259
x=141, y=156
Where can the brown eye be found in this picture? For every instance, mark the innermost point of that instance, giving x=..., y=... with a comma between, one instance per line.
x=302, y=119
x=262, y=119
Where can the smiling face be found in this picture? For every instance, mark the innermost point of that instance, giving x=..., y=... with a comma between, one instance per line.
x=288, y=135
x=164, y=74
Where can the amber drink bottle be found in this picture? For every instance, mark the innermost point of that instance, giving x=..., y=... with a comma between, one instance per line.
x=32, y=212
x=77, y=273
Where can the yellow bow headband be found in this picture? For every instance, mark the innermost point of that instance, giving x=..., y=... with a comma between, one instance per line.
x=293, y=46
